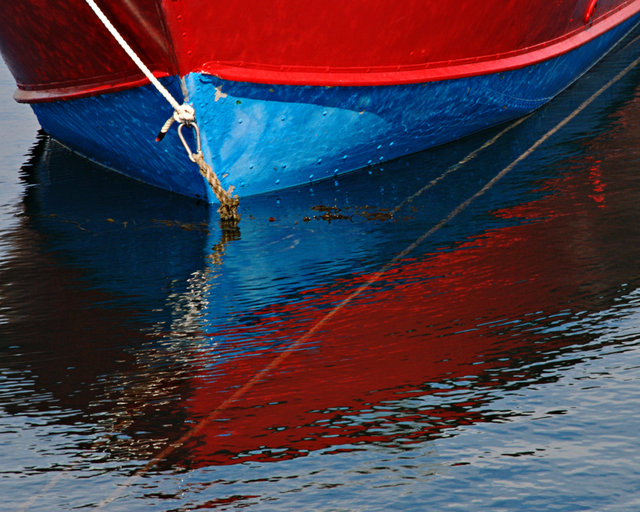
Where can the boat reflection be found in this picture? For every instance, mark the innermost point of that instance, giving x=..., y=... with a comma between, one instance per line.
x=286, y=339
x=436, y=338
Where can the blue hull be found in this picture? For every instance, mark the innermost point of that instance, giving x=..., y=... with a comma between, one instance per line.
x=261, y=137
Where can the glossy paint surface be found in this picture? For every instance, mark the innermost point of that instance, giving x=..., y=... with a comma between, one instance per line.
x=260, y=138
x=390, y=43
x=459, y=329
x=115, y=131
x=265, y=137
x=332, y=43
x=60, y=44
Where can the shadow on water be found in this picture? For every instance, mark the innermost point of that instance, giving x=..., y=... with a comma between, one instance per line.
x=129, y=310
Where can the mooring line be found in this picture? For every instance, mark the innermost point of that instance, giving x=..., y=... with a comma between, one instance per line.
x=277, y=361
x=459, y=164
x=185, y=115
x=25, y=506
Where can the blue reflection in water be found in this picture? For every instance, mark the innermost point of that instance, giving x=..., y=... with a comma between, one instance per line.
x=155, y=361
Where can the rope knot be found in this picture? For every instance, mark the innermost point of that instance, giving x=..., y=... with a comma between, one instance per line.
x=185, y=114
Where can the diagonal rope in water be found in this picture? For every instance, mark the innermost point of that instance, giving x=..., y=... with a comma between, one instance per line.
x=373, y=279
x=460, y=164
x=495, y=138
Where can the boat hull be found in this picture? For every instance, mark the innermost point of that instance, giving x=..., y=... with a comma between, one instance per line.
x=261, y=137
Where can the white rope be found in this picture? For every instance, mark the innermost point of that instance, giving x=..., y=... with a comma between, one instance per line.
x=185, y=112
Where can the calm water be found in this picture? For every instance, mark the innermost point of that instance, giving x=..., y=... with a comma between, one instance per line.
x=477, y=350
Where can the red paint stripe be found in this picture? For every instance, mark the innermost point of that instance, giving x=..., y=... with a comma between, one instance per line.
x=59, y=78
x=397, y=75
x=56, y=93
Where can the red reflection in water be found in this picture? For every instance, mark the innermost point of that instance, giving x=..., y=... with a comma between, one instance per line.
x=416, y=354
x=467, y=319
x=595, y=176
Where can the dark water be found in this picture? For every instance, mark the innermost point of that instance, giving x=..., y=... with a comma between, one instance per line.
x=475, y=347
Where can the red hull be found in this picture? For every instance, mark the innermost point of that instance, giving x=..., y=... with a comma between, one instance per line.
x=357, y=42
